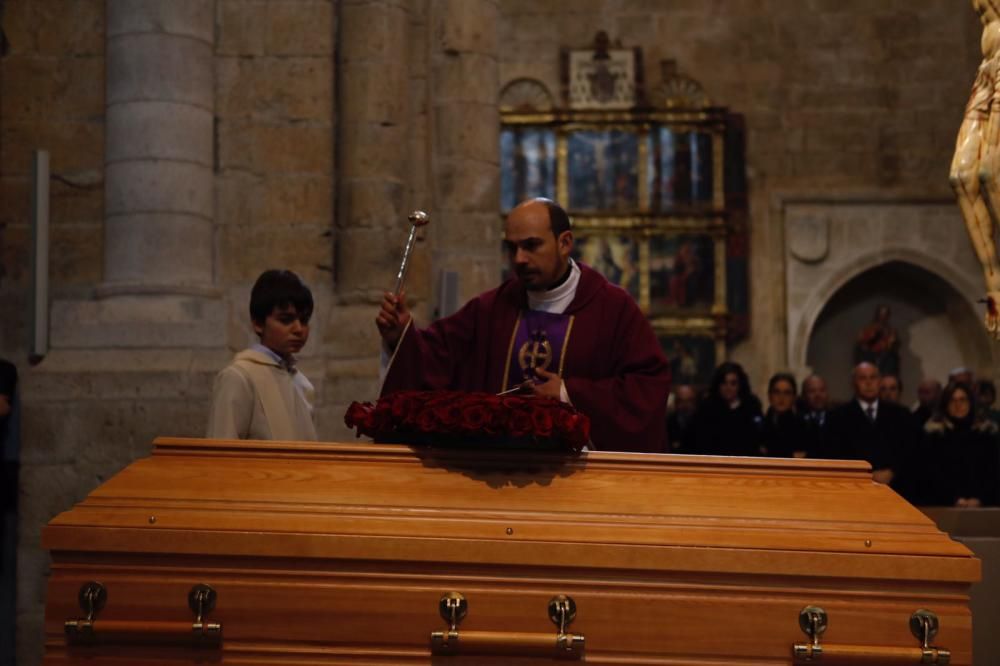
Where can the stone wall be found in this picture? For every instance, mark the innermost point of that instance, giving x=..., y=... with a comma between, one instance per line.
x=52, y=97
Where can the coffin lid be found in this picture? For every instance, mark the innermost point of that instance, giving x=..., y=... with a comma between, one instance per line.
x=622, y=511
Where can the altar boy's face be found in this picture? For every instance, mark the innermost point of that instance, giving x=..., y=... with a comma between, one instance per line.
x=284, y=332
x=537, y=255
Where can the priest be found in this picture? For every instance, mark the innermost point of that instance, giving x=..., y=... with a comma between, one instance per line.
x=557, y=328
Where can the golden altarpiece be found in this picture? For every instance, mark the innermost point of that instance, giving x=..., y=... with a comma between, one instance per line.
x=654, y=185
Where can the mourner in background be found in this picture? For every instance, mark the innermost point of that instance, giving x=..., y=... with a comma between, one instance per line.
x=262, y=394
x=8, y=453
x=681, y=418
x=728, y=421
x=960, y=458
x=556, y=328
x=814, y=407
x=986, y=397
x=889, y=389
x=928, y=395
x=783, y=434
x=9, y=456
x=867, y=428
x=962, y=375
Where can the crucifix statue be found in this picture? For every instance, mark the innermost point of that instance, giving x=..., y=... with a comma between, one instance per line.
x=975, y=168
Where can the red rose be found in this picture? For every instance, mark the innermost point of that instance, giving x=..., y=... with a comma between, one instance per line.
x=382, y=417
x=360, y=416
x=519, y=423
x=580, y=434
x=563, y=422
x=475, y=418
x=491, y=402
x=497, y=417
x=401, y=405
x=426, y=421
x=448, y=416
x=541, y=419
x=512, y=402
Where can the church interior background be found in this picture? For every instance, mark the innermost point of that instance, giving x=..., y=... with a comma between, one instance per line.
x=195, y=143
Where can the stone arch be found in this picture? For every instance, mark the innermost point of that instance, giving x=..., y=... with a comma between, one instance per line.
x=821, y=295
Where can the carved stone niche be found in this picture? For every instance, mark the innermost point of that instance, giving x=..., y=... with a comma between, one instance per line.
x=828, y=244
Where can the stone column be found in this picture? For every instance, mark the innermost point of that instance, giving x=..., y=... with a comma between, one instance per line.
x=159, y=185
x=158, y=151
x=463, y=88
x=373, y=131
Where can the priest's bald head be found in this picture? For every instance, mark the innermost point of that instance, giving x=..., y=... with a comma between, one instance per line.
x=538, y=241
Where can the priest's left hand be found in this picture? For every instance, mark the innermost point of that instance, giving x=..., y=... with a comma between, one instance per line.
x=551, y=385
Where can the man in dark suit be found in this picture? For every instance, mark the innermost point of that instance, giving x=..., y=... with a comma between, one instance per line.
x=680, y=418
x=814, y=410
x=881, y=432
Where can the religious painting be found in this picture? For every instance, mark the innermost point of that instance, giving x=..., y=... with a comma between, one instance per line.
x=614, y=256
x=679, y=169
x=681, y=273
x=602, y=170
x=527, y=164
x=691, y=357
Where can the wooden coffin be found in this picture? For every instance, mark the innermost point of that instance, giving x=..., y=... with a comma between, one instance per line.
x=340, y=553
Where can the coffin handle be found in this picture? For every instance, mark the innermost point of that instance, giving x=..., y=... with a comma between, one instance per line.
x=93, y=596
x=454, y=607
x=923, y=625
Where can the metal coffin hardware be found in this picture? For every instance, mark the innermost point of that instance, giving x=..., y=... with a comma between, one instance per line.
x=94, y=596
x=923, y=625
x=454, y=607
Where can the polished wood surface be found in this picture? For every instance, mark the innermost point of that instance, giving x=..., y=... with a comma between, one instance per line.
x=340, y=553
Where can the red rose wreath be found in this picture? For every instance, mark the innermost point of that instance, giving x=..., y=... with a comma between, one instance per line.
x=473, y=416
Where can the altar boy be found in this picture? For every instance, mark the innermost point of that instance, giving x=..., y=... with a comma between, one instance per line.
x=261, y=394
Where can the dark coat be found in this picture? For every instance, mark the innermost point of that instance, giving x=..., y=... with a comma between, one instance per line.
x=722, y=431
x=782, y=435
x=888, y=443
x=680, y=433
x=959, y=461
x=816, y=430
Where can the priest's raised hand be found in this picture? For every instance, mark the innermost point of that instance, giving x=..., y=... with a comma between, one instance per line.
x=392, y=318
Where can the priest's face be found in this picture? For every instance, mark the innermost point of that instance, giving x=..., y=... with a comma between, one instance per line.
x=537, y=255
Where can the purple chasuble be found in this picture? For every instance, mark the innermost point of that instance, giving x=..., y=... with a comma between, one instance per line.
x=539, y=341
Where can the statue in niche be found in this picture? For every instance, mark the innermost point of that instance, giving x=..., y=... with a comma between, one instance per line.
x=878, y=343
x=975, y=167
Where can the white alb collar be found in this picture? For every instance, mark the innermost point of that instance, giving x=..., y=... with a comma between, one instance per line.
x=558, y=299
